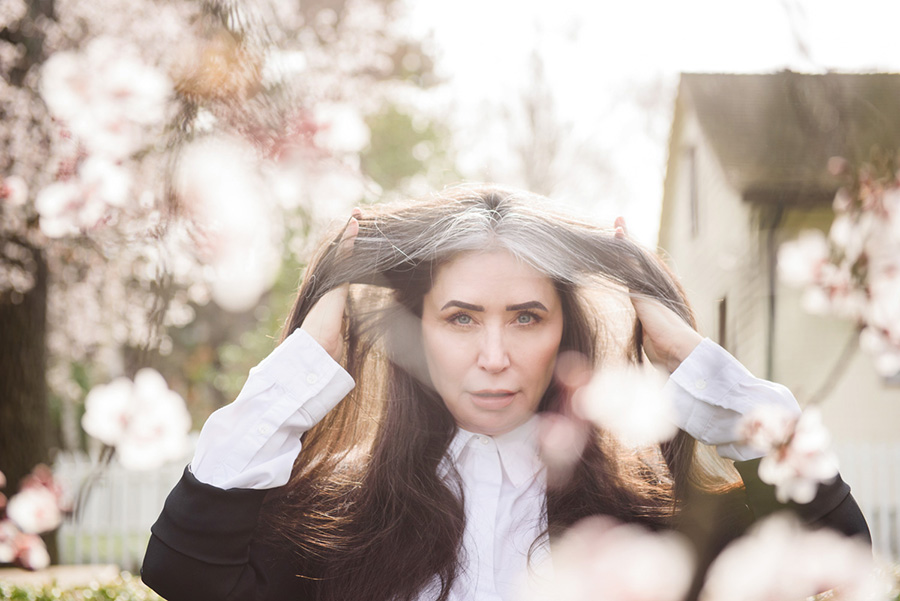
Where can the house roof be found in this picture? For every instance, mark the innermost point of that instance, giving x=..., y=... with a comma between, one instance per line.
x=774, y=133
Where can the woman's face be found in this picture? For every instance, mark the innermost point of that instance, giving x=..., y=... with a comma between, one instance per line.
x=491, y=327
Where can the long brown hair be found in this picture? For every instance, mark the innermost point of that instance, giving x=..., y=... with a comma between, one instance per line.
x=367, y=508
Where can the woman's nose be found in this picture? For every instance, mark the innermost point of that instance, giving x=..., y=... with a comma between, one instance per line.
x=493, y=356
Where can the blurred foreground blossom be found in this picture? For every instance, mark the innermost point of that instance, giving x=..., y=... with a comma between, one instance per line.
x=797, y=457
x=34, y=510
x=80, y=203
x=854, y=272
x=781, y=561
x=562, y=440
x=147, y=423
x=630, y=403
x=237, y=233
x=107, y=96
x=600, y=558
x=37, y=507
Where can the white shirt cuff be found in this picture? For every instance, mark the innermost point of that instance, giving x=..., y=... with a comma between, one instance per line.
x=253, y=442
x=712, y=391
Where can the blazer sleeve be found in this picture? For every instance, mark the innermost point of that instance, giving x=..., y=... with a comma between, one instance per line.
x=833, y=506
x=205, y=546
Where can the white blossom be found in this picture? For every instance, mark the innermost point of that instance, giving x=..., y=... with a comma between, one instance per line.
x=14, y=190
x=599, y=558
x=780, y=561
x=886, y=352
x=146, y=422
x=31, y=552
x=342, y=128
x=106, y=95
x=800, y=260
x=34, y=510
x=237, y=234
x=630, y=403
x=8, y=534
x=797, y=457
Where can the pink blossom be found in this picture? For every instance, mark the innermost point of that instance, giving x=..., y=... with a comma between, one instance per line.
x=779, y=560
x=238, y=236
x=342, y=128
x=31, y=553
x=884, y=348
x=14, y=190
x=146, y=422
x=107, y=96
x=799, y=261
x=599, y=558
x=34, y=510
x=630, y=403
x=797, y=456
x=79, y=204
x=8, y=534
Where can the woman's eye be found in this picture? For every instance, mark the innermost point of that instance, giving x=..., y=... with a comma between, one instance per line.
x=462, y=319
x=526, y=318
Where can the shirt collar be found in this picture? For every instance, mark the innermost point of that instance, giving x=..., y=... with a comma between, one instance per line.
x=518, y=448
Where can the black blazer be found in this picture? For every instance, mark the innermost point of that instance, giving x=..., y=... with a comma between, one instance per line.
x=204, y=546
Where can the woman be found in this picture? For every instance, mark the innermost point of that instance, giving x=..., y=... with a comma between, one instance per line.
x=425, y=482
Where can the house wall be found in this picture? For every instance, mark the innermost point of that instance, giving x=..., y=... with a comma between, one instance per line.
x=857, y=404
x=729, y=258
x=722, y=259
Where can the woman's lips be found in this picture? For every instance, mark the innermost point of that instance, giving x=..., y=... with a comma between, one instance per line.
x=492, y=399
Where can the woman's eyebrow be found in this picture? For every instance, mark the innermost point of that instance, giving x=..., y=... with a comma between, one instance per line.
x=528, y=305
x=462, y=305
x=520, y=307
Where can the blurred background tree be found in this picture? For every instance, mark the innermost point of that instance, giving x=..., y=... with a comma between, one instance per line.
x=173, y=233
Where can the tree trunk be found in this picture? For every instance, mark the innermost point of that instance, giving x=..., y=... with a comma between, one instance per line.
x=24, y=412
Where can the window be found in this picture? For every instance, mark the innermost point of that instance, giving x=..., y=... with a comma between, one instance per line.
x=690, y=159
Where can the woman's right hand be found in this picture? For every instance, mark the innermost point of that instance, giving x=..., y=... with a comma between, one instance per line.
x=325, y=320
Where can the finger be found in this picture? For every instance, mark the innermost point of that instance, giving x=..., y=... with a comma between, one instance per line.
x=348, y=237
x=621, y=229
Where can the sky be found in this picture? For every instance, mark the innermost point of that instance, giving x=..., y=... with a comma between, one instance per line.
x=612, y=68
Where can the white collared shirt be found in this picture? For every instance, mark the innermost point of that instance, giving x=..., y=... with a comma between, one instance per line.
x=252, y=443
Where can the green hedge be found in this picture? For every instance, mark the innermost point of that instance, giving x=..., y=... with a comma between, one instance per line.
x=124, y=588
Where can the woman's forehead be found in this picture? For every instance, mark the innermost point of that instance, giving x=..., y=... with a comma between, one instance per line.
x=490, y=275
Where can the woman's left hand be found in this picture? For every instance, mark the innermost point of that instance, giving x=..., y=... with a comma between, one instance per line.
x=667, y=339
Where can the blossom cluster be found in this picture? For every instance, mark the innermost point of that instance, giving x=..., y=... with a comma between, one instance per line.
x=778, y=560
x=797, y=457
x=38, y=507
x=854, y=271
x=147, y=423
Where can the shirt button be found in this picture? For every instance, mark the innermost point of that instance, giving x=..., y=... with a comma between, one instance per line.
x=483, y=439
x=700, y=384
x=311, y=378
x=263, y=429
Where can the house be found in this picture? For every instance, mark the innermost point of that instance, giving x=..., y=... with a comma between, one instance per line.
x=747, y=170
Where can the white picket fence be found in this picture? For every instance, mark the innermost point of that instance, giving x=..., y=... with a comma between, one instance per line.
x=115, y=522
x=873, y=472
x=113, y=526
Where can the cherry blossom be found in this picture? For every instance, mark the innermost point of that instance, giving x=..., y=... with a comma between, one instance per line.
x=630, y=403
x=14, y=190
x=342, y=128
x=106, y=95
x=237, y=233
x=8, y=535
x=779, y=560
x=799, y=261
x=31, y=552
x=600, y=558
x=854, y=272
x=146, y=422
x=797, y=457
x=80, y=203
